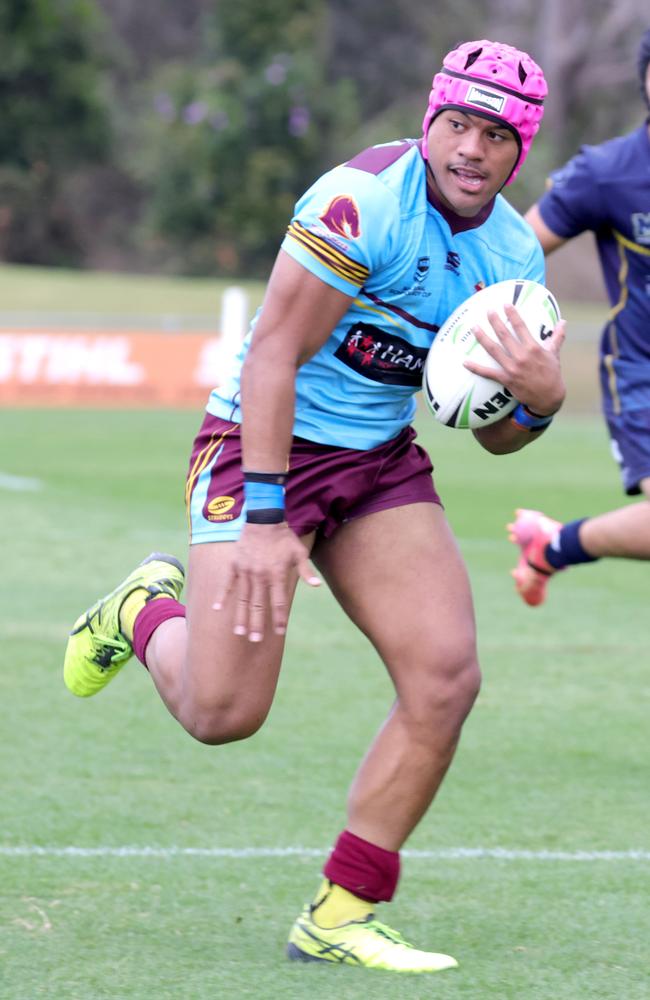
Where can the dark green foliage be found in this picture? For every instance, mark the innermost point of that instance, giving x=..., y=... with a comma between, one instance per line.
x=164, y=136
x=235, y=140
x=54, y=116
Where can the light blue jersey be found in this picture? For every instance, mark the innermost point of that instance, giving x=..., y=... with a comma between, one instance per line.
x=369, y=229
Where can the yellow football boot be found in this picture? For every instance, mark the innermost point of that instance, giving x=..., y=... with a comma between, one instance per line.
x=99, y=645
x=366, y=942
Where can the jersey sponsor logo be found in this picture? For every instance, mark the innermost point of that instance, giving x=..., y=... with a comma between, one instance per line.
x=218, y=508
x=381, y=356
x=481, y=97
x=342, y=217
x=641, y=227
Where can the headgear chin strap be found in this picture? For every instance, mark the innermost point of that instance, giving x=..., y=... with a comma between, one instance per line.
x=495, y=81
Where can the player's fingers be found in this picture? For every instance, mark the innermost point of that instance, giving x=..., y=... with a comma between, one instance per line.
x=257, y=606
x=242, y=596
x=496, y=374
x=558, y=338
x=500, y=327
x=522, y=332
x=492, y=346
x=279, y=606
x=306, y=573
x=224, y=589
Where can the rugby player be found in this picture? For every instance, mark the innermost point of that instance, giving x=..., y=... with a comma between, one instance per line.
x=307, y=456
x=604, y=189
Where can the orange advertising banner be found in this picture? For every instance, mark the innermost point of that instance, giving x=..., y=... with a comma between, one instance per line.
x=129, y=368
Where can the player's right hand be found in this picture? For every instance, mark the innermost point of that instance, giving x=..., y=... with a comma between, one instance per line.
x=267, y=560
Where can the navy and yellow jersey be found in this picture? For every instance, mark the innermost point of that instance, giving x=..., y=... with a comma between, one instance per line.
x=606, y=189
x=368, y=229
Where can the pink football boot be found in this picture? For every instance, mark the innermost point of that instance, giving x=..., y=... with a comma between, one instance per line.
x=532, y=531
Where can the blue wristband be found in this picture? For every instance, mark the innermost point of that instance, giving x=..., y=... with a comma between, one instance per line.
x=264, y=496
x=526, y=420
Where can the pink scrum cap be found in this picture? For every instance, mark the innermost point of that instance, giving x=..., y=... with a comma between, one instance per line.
x=495, y=81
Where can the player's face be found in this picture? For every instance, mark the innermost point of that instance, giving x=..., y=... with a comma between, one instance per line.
x=470, y=158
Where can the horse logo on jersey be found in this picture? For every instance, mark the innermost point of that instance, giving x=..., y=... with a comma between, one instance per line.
x=342, y=217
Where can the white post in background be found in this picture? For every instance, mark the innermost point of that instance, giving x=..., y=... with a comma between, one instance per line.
x=234, y=321
x=218, y=353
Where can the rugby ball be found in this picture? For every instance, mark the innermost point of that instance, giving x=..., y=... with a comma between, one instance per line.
x=457, y=397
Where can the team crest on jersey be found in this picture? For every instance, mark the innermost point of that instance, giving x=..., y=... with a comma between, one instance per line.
x=641, y=227
x=382, y=356
x=342, y=217
x=422, y=269
x=482, y=97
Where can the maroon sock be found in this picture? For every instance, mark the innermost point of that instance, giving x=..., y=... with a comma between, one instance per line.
x=363, y=869
x=153, y=614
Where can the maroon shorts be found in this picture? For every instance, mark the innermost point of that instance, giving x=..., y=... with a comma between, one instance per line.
x=326, y=486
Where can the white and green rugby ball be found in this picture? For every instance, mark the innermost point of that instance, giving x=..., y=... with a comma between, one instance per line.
x=457, y=397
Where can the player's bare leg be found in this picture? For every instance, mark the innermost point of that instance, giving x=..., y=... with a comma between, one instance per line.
x=548, y=546
x=375, y=565
x=622, y=533
x=218, y=685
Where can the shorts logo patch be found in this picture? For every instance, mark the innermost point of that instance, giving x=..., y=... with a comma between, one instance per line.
x=342, y=217
x=489, y=100
x=382, y=356
x=217, y=509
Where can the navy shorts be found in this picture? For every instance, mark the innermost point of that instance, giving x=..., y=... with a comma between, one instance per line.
x=629, y=434
x=625, y=387
x=326, y=486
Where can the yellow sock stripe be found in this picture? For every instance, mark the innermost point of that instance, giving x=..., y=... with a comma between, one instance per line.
x=203, y=459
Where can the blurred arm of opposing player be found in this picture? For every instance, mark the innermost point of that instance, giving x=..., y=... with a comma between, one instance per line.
x=550, y=241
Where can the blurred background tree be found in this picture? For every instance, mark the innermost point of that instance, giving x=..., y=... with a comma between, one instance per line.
x=55, y=123
x=236, y=135
x=176, y=136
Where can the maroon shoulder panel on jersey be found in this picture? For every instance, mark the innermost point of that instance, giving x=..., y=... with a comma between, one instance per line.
x=378, y=158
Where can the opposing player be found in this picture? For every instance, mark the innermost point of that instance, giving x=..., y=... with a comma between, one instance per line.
x=308, y=450
x=605, y=189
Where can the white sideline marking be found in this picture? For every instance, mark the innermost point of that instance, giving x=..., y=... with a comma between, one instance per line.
x=19, y=484
x=443, y=854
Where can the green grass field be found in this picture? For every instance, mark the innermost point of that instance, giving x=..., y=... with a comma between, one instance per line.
x=551, y=773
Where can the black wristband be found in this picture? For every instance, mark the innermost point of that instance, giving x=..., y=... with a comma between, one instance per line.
x=275, y=478
x=265, y=515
